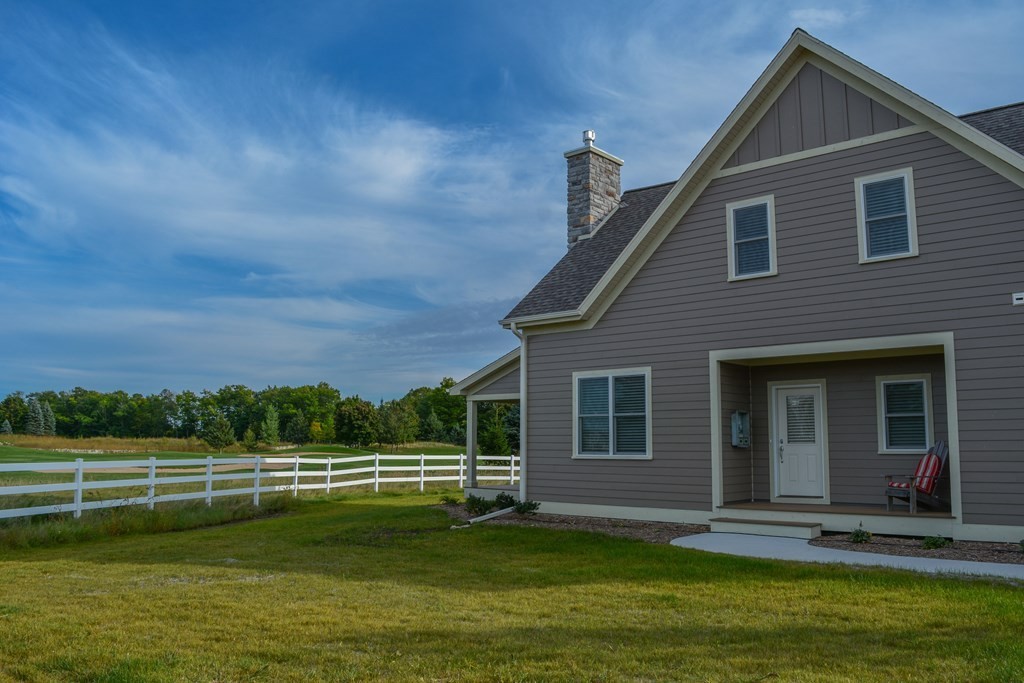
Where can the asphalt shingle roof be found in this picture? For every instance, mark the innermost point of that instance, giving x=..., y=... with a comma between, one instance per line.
x=1005, y=124
x=566, y=285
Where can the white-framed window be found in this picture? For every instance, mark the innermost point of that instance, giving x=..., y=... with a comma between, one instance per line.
x=612, y=413
x=886, y=216
x=751, y=228
x=905, y=422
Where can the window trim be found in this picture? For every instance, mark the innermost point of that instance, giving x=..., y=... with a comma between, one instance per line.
x=862, y=233
x=576, y=376
x=730, y=209
x=929, y=417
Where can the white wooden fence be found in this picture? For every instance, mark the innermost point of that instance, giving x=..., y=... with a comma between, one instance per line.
x=259, y=474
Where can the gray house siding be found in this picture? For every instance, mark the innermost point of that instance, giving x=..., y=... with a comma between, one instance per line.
x=814, y=110
x=680, y=306
x=506, y=384
x=736, y=462
x=855, y=466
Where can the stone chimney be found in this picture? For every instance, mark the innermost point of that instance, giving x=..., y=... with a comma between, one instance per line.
x=594, y=187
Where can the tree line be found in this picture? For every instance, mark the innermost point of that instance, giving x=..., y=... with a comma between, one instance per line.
x=236, y=413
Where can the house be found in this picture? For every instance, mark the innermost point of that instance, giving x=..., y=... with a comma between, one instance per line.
x=840, y=271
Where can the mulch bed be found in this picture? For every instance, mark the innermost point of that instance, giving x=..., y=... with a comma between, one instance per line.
x=972, y=551
x=663, y=532
x=652, y=532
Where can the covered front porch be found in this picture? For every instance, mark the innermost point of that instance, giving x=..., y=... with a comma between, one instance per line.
x=805, y=433
x=488, y=475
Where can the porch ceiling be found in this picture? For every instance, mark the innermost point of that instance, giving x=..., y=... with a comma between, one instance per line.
x=930, y=350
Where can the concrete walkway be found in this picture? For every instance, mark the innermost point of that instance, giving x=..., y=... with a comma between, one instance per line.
x=778, y=548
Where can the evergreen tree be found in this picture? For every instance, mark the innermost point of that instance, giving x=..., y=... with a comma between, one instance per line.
x=297, y=430
x=270, y=430
x=493, y=441
x=399, y=423
x=249, y=439
x=218, y=433
x=5, y=428
x=49, y=421
x=34, y=419
x=432, y=427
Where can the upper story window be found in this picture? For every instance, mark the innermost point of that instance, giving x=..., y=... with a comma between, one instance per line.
x=886, y=219
x=904, y=414
x=751, y=228
x=612, y=416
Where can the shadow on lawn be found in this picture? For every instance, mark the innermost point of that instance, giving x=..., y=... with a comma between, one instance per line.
x=396, y=538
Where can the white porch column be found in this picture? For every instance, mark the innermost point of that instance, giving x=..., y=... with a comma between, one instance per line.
x=470, y=443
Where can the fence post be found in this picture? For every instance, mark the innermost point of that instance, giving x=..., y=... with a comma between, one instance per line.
x=421, y=471
x=511, y=469
x=256, y=485
x=295, y=482
x=78, y=487
x=462, y=465
x=209, y=480
x=376, y=472
x=151, y=492
x=327, y=483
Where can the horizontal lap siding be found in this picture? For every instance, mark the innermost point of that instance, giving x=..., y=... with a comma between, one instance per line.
x=855, y=466
x=680, y=306
x=506, y=384
x=736, y=462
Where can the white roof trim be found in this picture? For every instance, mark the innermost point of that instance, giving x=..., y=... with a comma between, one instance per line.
x=1006, y=161
x=501, y=366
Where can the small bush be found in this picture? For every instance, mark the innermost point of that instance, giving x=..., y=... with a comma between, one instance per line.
x=1022, y=545
x=504, y=500
x=475, y=505
x=526, y=507
x=935, y=542
x=860, y=535
x=450, y=500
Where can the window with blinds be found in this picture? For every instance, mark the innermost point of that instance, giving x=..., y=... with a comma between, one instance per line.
x=612, y=415
x=904, y=415
x=751, y=228
x=887, y=228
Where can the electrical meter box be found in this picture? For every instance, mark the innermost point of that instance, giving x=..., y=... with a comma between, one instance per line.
x=740, y=429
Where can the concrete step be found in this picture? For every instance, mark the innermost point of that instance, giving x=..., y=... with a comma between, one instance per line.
x=766, y=527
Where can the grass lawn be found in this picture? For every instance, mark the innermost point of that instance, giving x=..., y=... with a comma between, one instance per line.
x=378, y=588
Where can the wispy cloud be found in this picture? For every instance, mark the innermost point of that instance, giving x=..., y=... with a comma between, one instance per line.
x=184, y=218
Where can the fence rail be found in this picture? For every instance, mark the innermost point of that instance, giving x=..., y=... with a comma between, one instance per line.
x=266, y=472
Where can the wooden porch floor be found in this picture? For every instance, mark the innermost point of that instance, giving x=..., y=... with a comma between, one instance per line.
x=839, y=509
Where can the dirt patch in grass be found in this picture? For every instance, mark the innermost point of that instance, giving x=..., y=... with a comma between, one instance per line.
x=971, y=551
x=651, y=532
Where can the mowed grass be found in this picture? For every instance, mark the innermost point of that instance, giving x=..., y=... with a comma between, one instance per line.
x=379, y=588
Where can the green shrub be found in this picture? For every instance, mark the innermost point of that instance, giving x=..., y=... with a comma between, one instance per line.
x=935, y=542
x=476, y=506
x=860, y=535
x=504, y=500
x=450, y=500
x=526, y=507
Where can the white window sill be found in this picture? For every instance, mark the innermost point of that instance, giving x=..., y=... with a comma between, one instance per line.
x=890, y=257
x=619, y=456
x=752, y=276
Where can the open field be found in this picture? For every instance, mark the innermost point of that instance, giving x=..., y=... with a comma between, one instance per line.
x=379, y=588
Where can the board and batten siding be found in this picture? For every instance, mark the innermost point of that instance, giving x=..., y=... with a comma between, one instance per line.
x=680, y=306
x=814, y=110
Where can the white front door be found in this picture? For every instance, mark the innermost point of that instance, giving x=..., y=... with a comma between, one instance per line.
x=798, y=446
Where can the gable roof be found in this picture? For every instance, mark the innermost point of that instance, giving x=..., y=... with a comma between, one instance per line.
x=585, y=281
x=487, y=374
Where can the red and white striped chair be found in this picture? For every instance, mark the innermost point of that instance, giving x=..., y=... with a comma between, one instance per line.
x=921, y=486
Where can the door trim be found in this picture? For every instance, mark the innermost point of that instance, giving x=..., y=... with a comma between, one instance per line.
x=821, y=385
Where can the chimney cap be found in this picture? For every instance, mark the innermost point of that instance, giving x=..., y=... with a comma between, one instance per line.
x=588, y=138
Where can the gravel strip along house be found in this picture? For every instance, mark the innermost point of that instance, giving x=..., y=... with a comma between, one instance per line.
x=835, y=283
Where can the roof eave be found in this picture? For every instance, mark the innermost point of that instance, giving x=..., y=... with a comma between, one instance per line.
x=464, y=387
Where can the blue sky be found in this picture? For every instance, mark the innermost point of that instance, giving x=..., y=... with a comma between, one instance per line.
x=195, y=194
